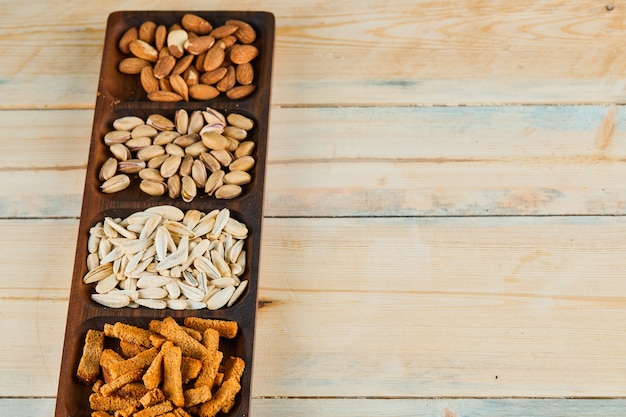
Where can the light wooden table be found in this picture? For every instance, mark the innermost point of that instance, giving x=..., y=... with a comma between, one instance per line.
x=446, y=190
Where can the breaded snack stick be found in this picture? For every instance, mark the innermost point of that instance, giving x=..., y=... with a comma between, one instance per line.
x=172, y=376
x=155, y=410
x=134, y=390
x=141, y=361
x=227, y=329
x=190, y=368
x=211, y=339
x=100, y=414
x=127, y=412
x=128, y=333
x=157, y=340
x=99, y=402
x=89, y=365
x=223, y=400
x=107, y=359
x=131, y=349
x=152, y=397
x=119, y=382
x=180, y=412
x=210, y=366
x=154, y=374
x=233, y=368
x=155, y=326
x=194, y=396
x=175, y=333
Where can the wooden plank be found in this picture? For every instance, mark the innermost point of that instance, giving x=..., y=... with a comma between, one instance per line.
x=383, y=307
x=416, y=53
x=513, y=160
x=293, y=407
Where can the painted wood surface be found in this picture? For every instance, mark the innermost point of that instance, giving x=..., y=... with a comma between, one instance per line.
x=354, y=52
x=445, y=204
x=441, y=161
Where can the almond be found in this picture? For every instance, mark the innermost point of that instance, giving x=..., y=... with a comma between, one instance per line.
x=176, y=41
x=191, y=76
x=149, y=82
x=244, y=73
x=203, y=92
x=182, y=64
x=164, y=84
x=160, y=37
x=228, y=41
x=211, y=77
x=132, y=65
x=142, y=49
x=199, y=45
x=164, y=96
x=147, y=31
x=214, y=58
x=194, y=23
x=223, y=31
x=245, y=33
x=240, y=54
x=164, y=66
x=131, y=34
x=240, y=91
x=179, y=86
x=228, y=81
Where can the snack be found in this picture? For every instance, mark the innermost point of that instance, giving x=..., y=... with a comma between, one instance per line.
x=173, y=62
x=159, y=379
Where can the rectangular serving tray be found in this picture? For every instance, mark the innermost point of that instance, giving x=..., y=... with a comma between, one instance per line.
x=122, y=95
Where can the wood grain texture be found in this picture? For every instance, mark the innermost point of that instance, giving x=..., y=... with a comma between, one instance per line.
x=292, y=407
x=497, y=307
x=395, y=161
x=355, y=52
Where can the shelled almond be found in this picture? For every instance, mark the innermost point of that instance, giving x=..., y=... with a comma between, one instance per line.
x=192, y=59
x=198, y=152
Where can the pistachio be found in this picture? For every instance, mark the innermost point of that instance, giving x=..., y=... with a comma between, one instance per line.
x=170, y=166
x=228, y=191
x=108, y=169
x=116, y=136
x=127, y=123
x=151, y=174
x=174, y=186
x=188, y=189
x=120, y=151
x=116, y=183
x=139, y=142
x=215, y=181
x=181, y=120
x=244, y=149
x=245, y=163
x=224, y=157
x=237, y=178
x=152, y=187
x=149, y=152
x=143, y=130
x=165, y=137
x=160, y=122
x=199, y=173
x=131, y=166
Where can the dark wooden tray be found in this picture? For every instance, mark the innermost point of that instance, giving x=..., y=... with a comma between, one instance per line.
x=121, y=95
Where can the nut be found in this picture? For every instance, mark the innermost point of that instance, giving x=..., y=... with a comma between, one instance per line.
x=219, y=57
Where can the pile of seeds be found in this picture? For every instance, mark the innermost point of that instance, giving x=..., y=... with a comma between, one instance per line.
x=163, y=257
x=198, y=151
x=191, y=59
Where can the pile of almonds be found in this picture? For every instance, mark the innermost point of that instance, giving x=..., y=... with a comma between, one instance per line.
x=201, y=150
x=163, y=257
x=191, y=60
